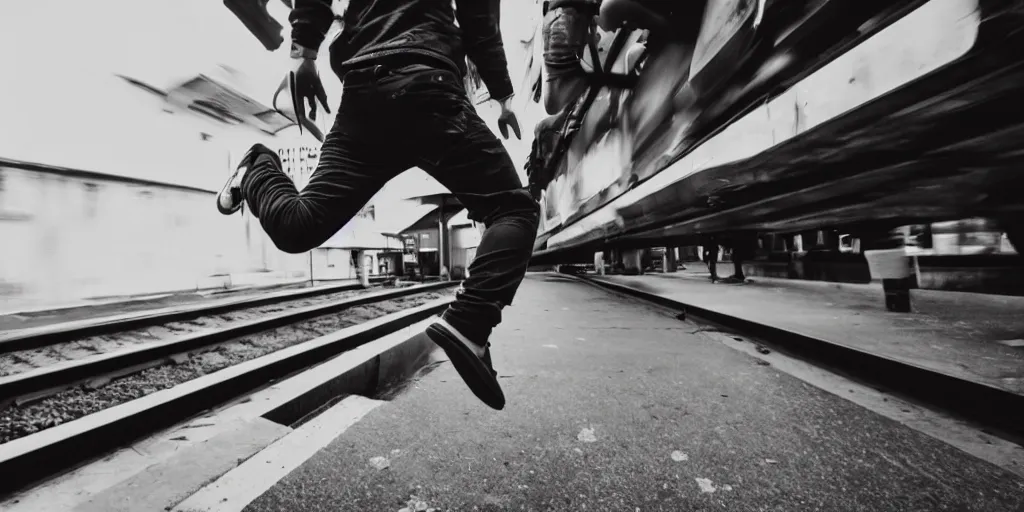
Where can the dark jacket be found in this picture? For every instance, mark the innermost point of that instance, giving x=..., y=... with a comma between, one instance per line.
x=378, y=28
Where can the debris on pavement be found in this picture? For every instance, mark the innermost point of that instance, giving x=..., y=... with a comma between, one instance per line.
x=415, y=504
x=705, y=485
x=587, y=435
x=763, y=349
x=380, y=463
x=679, y=456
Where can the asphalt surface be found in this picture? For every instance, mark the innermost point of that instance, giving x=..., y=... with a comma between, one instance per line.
x=956, y=333
x=616, y=405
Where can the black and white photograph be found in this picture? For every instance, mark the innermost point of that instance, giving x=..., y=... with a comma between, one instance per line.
x=512, y=255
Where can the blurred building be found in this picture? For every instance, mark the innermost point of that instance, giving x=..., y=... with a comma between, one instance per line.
x=111, y=155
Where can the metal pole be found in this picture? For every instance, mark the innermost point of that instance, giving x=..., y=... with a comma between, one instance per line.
x=440, y=238
x=888, y=262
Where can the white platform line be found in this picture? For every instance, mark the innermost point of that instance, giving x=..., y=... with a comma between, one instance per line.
x=233, y=491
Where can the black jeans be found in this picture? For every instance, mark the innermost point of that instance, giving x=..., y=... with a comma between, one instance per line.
x=392, y=118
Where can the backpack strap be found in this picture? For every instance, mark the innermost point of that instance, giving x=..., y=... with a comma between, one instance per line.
x=602, y=75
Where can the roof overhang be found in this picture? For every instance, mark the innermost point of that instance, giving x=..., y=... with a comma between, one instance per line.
x=213, y=99
x=437, y=199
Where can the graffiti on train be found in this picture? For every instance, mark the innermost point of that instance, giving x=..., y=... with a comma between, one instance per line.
x=626, y=136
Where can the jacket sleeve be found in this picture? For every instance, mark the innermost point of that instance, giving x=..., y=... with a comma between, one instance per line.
x=480, y=21
x=310, y=19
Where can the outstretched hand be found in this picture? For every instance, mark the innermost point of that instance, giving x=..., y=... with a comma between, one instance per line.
x=508, y=119
x=304, y=86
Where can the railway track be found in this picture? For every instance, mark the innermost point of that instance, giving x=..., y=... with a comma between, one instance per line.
x=65, y=400
x=30, y=350
x=35, y=337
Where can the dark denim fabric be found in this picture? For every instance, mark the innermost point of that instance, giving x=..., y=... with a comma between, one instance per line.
x=393, y=118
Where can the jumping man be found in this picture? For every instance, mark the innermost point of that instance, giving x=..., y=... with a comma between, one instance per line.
x=404, y=105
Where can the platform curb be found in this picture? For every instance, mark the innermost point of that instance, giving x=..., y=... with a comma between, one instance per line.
x=365, y=371
x=995, y=408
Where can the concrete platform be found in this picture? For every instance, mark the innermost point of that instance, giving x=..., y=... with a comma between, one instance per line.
x=614, y=404
x=973, y=336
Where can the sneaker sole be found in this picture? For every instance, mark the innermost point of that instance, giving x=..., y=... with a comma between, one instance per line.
x=473, y=370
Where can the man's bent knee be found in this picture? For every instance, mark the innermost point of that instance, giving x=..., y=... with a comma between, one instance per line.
x=294, y=242
x=526, y=209
x=293, y=247
x=529, y=212
x=516, y=204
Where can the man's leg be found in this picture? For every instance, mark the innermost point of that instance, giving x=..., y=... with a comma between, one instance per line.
x=463, y=154
x=353, y=167
x=434, y=126
x=482, y=175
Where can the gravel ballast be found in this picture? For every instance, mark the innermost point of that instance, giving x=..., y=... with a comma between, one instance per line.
x=12, y=363
x=19, y=421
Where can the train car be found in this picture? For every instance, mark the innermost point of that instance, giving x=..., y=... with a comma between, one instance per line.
x=770, y=116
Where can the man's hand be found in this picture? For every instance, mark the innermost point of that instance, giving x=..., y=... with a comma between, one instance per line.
x=308, y=87
x=304, y=86
x=507, y=119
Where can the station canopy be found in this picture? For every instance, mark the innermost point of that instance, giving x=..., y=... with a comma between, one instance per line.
x=221, y=93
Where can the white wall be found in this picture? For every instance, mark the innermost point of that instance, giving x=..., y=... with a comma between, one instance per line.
x=62, y=104
x=69, y=238
x=65, y=239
